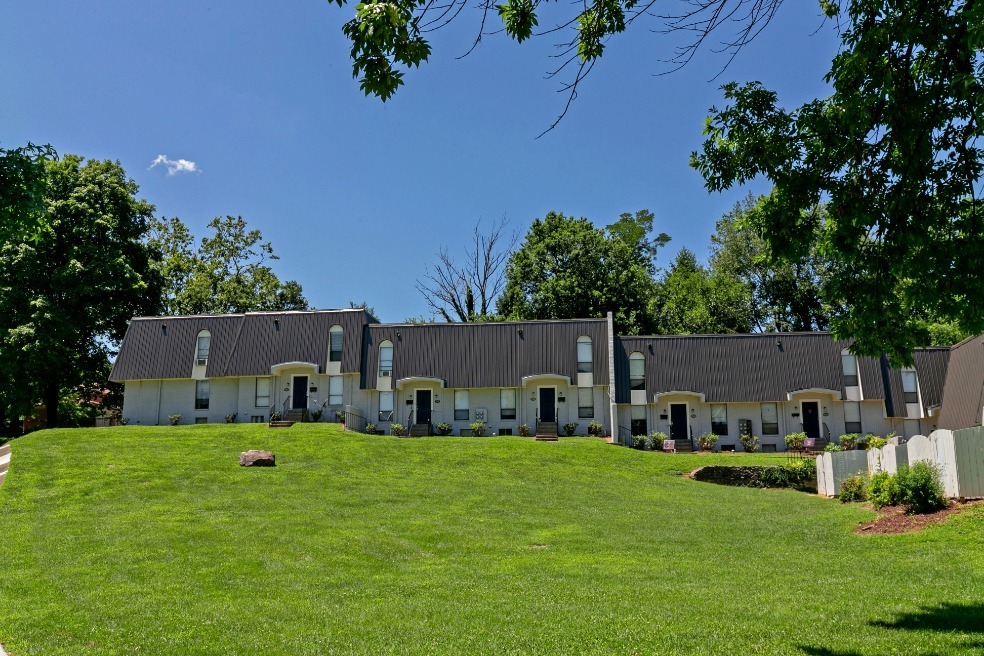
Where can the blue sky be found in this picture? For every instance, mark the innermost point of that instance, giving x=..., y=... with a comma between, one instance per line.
x=357, y=195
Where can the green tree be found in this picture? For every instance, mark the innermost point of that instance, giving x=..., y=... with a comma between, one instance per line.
x=22, y=183
x=692, y=299
x=893, y=156
x=786, y=295
x=568, y=268
x=67, y=295
x=227, y=273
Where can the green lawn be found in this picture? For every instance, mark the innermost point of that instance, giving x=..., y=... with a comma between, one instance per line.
x=154, y=541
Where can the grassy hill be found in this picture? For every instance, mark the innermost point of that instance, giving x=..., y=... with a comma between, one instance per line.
x=154, y=541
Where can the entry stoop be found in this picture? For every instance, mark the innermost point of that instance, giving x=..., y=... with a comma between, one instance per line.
x=546, y=431
x=420, y=430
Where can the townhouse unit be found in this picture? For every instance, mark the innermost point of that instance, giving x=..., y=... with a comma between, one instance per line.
x=543, y=374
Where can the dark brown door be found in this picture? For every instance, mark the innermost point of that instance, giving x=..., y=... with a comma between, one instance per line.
x=423, y=406
x=298, y=399
x=678, y=421
x=811, y=419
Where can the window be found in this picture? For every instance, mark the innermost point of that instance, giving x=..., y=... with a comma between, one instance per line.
x=204, y=341
x=257, y=419
x=852, y=417
x=585, y=402
x=201, y=395
x=505, y=431
x=719, y=418
x=263, y=386
x=638, y=417
x=507, y=404
x=849, y=362
x=770, y=419
x=910, y=388
x=386, y=358
x=201, y=420
x=386, y=406
x=461, y=405
x=335, y=344
x=335, y=390
x=637, y=371
x=585, y=361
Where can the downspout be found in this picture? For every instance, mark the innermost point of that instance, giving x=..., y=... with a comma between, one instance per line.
x=612, y=406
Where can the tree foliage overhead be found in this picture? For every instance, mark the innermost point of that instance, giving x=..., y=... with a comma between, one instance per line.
x=567, y=268
x=67, y=295
x=227, y=272
x=785, y=295
x=893, y=156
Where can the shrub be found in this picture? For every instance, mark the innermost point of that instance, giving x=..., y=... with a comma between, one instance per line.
x=275, y=416
x=443, y=428
x=370, y=429
x=883, y=490
x=795, y=441
x=749, y=443
x=833, y=448
x=853, y=488
x=707, y=441
x=231, y=419
x=570, y=427
x=920, y=487
x=849, y=441
x=124, y=421
x=595, y=428
x=478, y=428
x=317, y=414
x=875, y=442
x=639, y=441
x=655, y=440
x=524, y=430
x=340, y=416
x=398, y=430
x=174, y=420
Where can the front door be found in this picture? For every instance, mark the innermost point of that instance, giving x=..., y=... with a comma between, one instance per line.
x=423, y=406
x=299, y=397
x=548, y=407
x=678, y=421
x=811, y=419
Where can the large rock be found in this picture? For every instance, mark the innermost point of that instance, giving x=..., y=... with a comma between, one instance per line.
x=255, y=458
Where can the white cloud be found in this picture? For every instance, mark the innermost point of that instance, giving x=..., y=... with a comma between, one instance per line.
x=175, y=166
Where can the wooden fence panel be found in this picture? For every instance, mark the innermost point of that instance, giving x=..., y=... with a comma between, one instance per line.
x=968, y=446
x=825, y=481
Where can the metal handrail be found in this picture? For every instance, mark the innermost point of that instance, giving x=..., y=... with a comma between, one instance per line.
x=624, y=432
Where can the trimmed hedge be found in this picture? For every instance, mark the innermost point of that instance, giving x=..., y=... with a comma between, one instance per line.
x=795, y=476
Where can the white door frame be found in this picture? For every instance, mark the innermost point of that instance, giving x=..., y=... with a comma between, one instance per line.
x=669, y=423
x=820, y=421
x=293, y=386
x=556, y=402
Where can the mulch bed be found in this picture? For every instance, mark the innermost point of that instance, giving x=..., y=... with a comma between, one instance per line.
x=894, y=520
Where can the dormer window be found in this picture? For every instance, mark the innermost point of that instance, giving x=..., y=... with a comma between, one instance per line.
x=386, y=359
x=201, y=352
x=910, y=386
x=637, y=371
x=585, y=361
x=335, y=344
x=849, y=362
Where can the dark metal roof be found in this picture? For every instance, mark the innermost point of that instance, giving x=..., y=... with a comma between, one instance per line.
x=931, y=366
x=763, y=367
x=486, y=354
x=963, y=391
x=734, y=368
x=241, y=344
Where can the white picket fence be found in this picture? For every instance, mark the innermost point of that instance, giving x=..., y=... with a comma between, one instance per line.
x=958, y=454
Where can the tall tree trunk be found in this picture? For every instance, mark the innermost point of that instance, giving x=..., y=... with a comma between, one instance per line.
x=51, y=404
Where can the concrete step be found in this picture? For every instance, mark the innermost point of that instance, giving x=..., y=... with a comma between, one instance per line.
x=546, y=438
x=296, y=415
x=281, y=424
x=684, y=446
x=4, y=450
x=420, y=430
x=547, y=428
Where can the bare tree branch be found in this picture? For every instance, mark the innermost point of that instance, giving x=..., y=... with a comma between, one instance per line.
x=467, y=292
